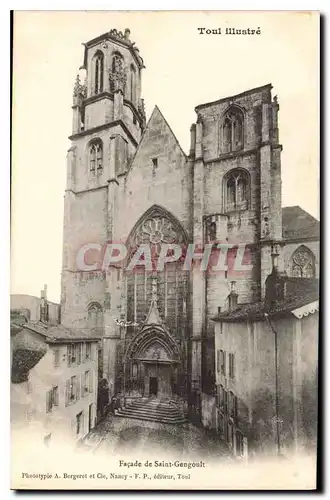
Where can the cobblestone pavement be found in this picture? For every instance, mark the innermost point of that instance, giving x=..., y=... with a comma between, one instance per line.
x=122, y=435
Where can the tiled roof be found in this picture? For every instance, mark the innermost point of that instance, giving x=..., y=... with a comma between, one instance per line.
x=300, y=292
x=297, y=223
x=59, y=333
x=23, y=361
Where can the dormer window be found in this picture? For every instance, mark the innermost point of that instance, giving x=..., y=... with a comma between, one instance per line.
x=232, y=131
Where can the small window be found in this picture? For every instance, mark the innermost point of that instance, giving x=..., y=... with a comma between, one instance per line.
x=86, y=383
x=56, y=358
x=231, y=365
x=51, y=399
x=77, y=353
x=72, y=390
x=232, y=405
x=223, y=362
x=71, y=355
x=155, y=162
x=88, y=351
x=79, y=423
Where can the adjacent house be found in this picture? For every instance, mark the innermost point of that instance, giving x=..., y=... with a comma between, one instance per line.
x=54, y=380
x=266, y=369
x=25, y=307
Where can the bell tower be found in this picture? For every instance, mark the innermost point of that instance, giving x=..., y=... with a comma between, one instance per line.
x=110, y=96
x=108, y=121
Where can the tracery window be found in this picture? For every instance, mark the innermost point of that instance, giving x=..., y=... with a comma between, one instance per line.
x=98, y=72
x=232, y=137
x=96, y=156
x=302, y=263
x=236, y=190
x=95, y=316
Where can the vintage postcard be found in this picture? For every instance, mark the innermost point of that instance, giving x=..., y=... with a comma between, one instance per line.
x=174, y=342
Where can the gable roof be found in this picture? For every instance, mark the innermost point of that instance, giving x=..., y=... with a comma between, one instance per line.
x=156, y=111
x=23, y=361
x=297, y=223
x=59, y=333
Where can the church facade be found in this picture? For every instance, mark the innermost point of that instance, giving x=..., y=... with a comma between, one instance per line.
x=130, y=183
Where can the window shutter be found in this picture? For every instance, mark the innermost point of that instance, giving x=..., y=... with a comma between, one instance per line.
x=77, y=388
x=47, y=401
x=67, y=392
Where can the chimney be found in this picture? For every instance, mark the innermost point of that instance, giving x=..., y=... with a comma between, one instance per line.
x=233, y=296
x=44, y=316
x=275, y=282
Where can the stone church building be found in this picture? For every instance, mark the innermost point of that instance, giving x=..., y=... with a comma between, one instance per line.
x=130, y=182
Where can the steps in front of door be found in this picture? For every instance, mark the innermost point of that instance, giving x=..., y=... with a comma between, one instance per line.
x=153, y=410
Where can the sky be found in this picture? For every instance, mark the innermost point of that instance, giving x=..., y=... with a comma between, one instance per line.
x=183, y=69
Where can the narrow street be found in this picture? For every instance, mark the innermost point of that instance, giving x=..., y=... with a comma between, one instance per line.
x=123, y=435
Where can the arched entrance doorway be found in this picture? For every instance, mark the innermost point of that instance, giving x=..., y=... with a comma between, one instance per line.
x=152, y=360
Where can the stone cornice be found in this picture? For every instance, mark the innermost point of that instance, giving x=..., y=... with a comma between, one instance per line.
x=105, y=126
x=110, y=96
x=242, y=152
x=237, y=96
x=104, y=186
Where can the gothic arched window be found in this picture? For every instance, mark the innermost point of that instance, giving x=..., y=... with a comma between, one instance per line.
x=302, y=263
x=98, y=72
x=96, y=156
x=95, y=316
x=133, y=84
x=232, y=131
x=236, y=190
